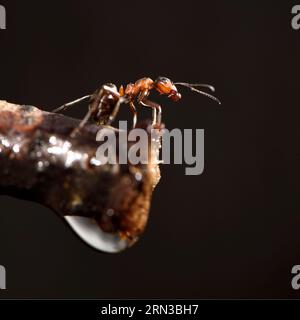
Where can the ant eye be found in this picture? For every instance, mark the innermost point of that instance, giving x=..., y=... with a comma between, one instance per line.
x=164, y=80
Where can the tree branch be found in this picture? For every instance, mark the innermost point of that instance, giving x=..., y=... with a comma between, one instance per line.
x=40, y=162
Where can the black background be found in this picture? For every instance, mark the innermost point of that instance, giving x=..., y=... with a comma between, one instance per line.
x=232, y=232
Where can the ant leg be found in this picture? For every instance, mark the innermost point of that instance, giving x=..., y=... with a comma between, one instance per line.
x=156, y=108
x=72, y=103
x=133, y=110
x=83, y=122
x=115, y=111
x=146, y=103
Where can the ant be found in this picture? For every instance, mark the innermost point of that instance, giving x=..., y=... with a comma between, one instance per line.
x=105, y=102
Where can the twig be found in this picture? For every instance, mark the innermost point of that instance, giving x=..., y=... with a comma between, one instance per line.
x=70, y=181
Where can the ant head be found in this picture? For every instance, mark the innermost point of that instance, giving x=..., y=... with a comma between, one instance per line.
x=166, y=86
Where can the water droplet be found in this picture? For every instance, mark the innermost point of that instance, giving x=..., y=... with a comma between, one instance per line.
x=95, y=162
x=53, y=140
x=16, y=148
x=110, y=212
x=40, y=165
x=5, y=143
x=72, y=157
x=138, y=176
x=90, y=232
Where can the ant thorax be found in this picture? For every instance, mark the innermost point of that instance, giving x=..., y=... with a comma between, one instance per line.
x=133, y=89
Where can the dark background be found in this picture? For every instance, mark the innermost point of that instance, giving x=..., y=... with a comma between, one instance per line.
x=232, y=232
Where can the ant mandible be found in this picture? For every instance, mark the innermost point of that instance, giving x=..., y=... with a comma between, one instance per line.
x=105, y=102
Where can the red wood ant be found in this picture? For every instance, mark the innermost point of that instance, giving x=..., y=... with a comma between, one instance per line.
x=105, y=102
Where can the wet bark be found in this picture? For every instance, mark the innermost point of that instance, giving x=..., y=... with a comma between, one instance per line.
x=39, y=161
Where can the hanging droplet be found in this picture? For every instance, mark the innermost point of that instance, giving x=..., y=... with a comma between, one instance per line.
x=91, y=233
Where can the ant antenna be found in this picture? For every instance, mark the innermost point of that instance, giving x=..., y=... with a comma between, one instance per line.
x=192, y=87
